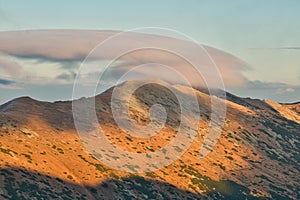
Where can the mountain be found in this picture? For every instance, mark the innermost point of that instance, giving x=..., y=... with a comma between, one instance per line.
x=256, y=157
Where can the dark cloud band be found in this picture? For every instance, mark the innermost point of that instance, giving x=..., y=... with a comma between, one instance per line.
x=6, y=82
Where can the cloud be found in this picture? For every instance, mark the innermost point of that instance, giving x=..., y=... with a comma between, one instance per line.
x=289, y=48
x=6, y=82
x=277, y=48
x=55, y=45
x=9, y=66
x=70, y=76
x=277, y=87
x=265, y=85
x=70, y=47
x=284, y=90
x=280, y=92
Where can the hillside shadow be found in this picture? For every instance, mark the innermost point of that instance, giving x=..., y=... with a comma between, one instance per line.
x=19, y=183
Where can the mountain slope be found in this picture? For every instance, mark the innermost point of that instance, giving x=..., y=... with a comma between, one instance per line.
x=257, y=155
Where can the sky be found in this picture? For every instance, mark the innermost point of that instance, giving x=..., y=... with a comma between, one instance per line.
x=263, y=34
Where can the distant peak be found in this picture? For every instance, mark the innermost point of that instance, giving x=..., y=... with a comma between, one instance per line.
x=17, y=101
x=24, y=98
x=291, y=104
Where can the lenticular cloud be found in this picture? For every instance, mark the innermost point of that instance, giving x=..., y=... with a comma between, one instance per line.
x=75, y=45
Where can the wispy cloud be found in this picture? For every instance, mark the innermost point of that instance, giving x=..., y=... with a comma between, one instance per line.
x=9, y=84
x=276, y=48
x=284, y=90
x=69, y=76
x=267, y=85
x=280, y=92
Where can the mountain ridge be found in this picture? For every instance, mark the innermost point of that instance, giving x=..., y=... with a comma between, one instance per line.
x=257, y=155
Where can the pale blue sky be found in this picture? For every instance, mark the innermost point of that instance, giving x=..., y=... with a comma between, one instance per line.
x=265, y=34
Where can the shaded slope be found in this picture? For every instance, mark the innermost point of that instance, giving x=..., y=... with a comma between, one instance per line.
x=20, y=183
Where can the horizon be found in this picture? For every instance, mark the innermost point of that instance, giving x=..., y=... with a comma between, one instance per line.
x=99, y=93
